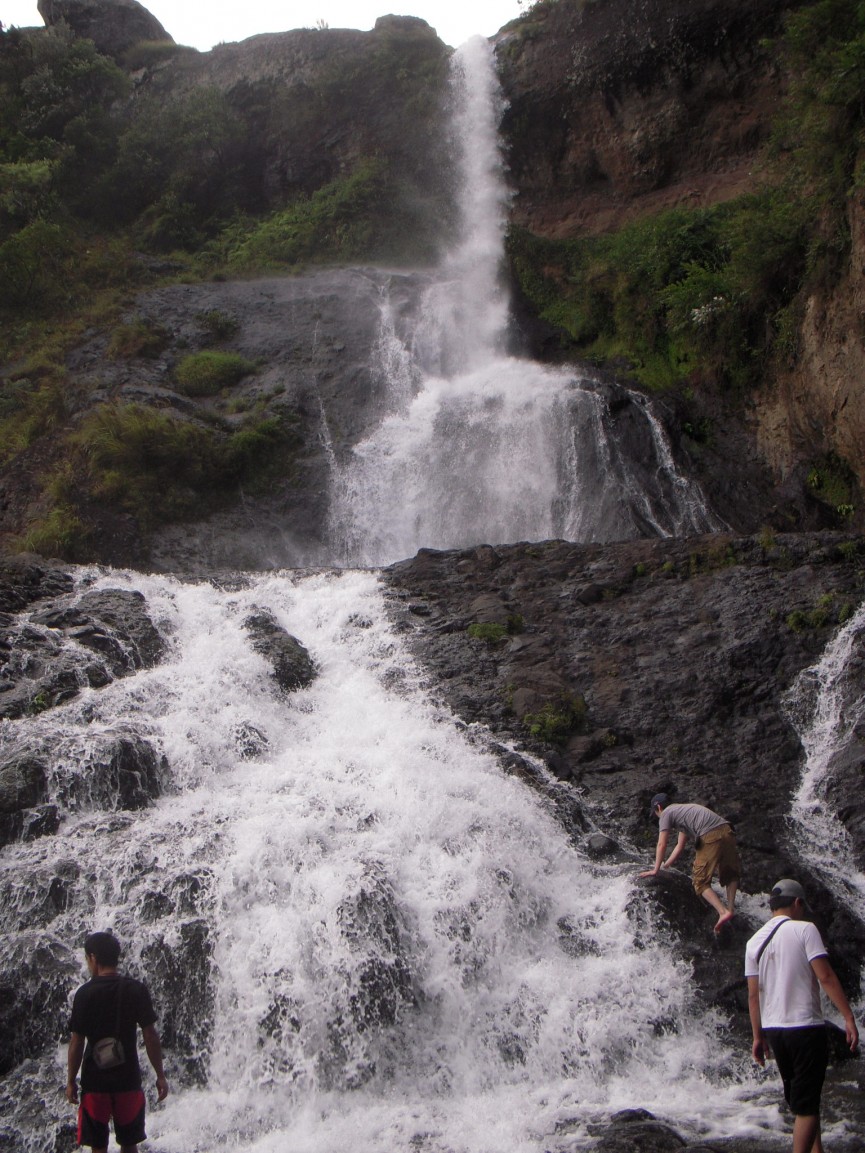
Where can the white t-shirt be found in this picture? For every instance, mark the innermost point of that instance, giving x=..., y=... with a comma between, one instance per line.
x=789, y=989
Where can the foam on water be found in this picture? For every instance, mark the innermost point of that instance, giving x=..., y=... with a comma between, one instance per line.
x=407, y=951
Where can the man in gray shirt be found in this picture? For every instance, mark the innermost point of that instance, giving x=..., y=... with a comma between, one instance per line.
x=716, y=853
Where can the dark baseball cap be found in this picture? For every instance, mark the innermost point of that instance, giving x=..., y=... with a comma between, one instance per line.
x=789, y=889
x=658, y=799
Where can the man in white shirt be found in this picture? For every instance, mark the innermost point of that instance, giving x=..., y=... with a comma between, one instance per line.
x=786, y=966
x=716, y=855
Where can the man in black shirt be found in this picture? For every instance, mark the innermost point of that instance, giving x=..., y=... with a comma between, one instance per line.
x=111, y=1006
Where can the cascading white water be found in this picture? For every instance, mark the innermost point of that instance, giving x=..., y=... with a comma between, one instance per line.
x=478, y=446
x=405, y=950
x=827, y=705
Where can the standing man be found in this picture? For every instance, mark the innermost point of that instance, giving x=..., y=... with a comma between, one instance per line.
x=110, y=1006
x=786, y=966
x=716, y=851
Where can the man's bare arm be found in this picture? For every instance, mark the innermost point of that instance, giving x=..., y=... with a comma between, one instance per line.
x=831, y=986
x=73, y=1064
x=153, y=1046
x=759, y=1048
x=659, y=855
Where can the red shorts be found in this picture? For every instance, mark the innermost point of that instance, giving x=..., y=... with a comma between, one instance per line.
x=97, y=1109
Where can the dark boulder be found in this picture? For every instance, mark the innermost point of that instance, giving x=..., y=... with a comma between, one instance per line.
x=180, y=975
x=291, y=665
x=35, y=973
x=124, y=611
x=23, y=783
x=114, y=26
x=54, y=652
x=117, y=771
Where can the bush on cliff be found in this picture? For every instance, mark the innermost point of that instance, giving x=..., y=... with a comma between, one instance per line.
x=207, y=372
x=680, y=292
x=161, y=468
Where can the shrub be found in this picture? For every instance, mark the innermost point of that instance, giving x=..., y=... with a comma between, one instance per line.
x=58, y=534
x=488, y=631
x=221, y=325
x=163, y=469
x=139, y=338
x=207, y=372
x=556, y=720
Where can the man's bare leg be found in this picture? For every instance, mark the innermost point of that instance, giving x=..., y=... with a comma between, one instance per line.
x=806, y=1135
x=724, y=914
x=732, y=890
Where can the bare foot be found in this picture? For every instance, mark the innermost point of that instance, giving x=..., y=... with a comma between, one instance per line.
x=722, y=920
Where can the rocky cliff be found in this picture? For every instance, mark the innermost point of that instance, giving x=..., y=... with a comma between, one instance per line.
x=622, y=109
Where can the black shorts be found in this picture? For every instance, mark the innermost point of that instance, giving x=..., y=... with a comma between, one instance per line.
x=802, y=1056
x=97, y=1109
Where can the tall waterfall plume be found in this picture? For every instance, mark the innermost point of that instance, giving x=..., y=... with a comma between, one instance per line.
x=478, y=446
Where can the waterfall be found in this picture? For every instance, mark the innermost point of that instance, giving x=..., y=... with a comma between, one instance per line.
x=359, y=930
x=827, y=706
x=480, y=447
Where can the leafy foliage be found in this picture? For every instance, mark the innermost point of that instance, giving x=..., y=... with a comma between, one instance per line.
x=681, y=292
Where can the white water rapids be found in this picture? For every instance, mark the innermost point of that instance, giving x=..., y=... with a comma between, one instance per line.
x=407, y=952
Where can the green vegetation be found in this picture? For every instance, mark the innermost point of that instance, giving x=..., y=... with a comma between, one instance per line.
x=833, y=482
x=164, y=469
x=827, y=612
x=556, y=720
x=493, y=631
x=713, y=295
x=488, y=631
x=207, y=372
x=138, y=338
x=680, y=295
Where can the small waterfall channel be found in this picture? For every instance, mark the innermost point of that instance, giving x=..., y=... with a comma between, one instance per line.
x=480, y=447
x=827, y=706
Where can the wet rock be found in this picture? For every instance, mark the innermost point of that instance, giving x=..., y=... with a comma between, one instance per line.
x=125, y=612
x=35, y=974
x=637, y=1131
x=685, y=664
x=179, y=973
x=23, y=783
x=117, y=771
x=43, y=663
x=250, y=741
x=292, y=667
x=600, y=845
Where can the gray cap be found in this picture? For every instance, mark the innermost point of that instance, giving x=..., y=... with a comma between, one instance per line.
x=659, y=799
x=788, y=888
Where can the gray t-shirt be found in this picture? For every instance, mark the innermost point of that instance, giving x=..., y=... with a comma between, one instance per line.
x=695, y=820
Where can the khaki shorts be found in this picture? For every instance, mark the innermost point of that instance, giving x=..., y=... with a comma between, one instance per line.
x=717, y=855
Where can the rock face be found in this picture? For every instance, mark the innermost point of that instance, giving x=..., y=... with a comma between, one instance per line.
x=655, y=665
x=622, y=108
x=113, y=25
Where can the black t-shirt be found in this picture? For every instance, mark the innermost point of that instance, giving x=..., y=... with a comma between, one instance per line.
x=94, y=1016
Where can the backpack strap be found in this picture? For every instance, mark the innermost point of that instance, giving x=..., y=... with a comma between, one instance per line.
x=762, y=948
x=119, y=998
